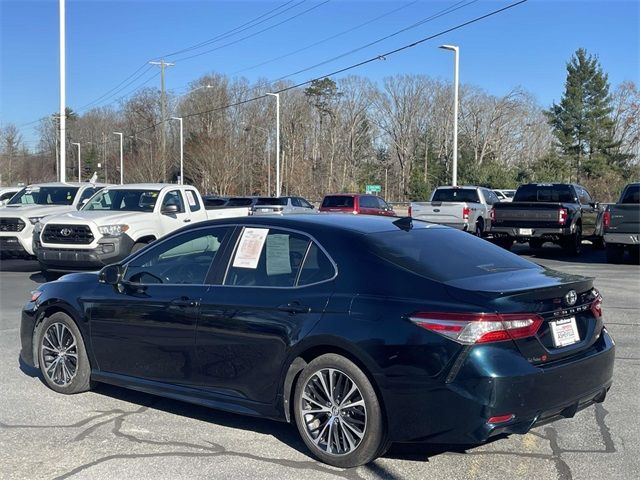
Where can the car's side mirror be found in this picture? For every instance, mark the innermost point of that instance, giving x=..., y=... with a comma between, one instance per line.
x=170, y=209
x=111, y=274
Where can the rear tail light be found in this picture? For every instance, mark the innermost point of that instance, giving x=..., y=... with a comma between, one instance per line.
x=410, y=211
x=606, y=219
x=562, y=216
x=492, y=214
x=472, y=328
x=502, y=418
x=596, y=307
x=465, y=213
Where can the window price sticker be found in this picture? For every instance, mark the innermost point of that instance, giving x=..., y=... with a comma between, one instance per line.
x=250, y=247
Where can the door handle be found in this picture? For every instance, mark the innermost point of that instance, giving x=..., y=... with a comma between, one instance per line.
x=293, y=308
x=184, y=302
x=186, y=220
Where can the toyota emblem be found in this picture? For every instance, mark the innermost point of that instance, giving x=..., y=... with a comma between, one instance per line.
x=570, y=298
x=65, y=232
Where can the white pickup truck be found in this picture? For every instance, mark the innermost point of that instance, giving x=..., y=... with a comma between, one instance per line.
x=117, y=222
x=32, y=203
x=464, y=208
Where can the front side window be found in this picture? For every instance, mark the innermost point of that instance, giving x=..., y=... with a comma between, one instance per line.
x=173, y=198
x=123, y=200
x=44, y=196
x=184, y=259
x=304, y=203
x=274, y=258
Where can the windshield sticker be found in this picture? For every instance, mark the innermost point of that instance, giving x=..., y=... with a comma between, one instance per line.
x=190, y=198
x=278, y=260
x=250, y=247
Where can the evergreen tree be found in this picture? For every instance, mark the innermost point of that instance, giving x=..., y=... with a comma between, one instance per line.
x=582, y=120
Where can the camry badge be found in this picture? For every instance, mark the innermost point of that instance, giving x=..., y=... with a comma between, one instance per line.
x=571, y=297
x=65, y=232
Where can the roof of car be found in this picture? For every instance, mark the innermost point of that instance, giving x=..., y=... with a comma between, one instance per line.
x=355, y=223
x=147, y=186
x=65, y=184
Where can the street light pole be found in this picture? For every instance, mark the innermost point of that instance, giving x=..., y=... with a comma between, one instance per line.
x=79, y=161
x=181, y=150
x=277, y=95
x=63, y=100
x=456, y=53
x=121, y=158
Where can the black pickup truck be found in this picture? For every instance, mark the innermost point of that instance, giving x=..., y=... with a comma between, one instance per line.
x=560, y=213
x=622, y=225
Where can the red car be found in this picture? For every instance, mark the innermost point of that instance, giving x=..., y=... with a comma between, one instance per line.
x=357, y=204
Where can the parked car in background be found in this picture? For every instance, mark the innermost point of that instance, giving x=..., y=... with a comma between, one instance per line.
x=459, y=342
x=465, y=208
x=622, y=225
x=505, y=195
x=6, y=193
x=33, y=202
x=118, y=221
x=560, y=213
x=282, y=206
x=356, y=203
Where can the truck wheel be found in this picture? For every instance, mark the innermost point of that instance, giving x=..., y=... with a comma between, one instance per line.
x=635, y=254
x=479, y=228
x=505, y=243
x=572, y=244
x=535, y=243
x=615, y=253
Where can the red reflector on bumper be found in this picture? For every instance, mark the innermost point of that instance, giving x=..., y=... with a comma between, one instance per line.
x=501, y=418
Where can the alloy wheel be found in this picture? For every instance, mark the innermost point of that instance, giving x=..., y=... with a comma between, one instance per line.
x=59, y=354
x=334, y=412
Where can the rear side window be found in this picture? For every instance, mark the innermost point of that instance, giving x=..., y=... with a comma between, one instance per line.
x=272, y=201
x=368, y=202
x=444, y=254
x=631, y=194
x=316, y=268
x=456, y=195
x=337, y=201
x=544, y=193
x=192, y=200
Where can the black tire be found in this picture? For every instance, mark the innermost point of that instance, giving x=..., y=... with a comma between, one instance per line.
x=361, y=450
x=479, y=232
x=72, y=380
x=505, y=243
x=634, y=253
x=615, y=253
x=572, y=244
x=536, y=243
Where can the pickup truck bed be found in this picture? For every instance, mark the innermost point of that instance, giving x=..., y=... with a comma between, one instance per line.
x=622, y=226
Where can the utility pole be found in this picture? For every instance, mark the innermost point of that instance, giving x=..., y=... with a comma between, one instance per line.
x=163, y=113
x=277, y=96
x=63, y=100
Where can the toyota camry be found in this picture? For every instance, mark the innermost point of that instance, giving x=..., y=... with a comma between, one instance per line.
x=361, y=331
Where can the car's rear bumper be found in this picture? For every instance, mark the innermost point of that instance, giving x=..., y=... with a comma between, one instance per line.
x=457, y=410
x=109, y=250
x=622, y=238
x=526, y=233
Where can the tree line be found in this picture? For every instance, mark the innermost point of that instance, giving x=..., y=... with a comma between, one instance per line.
x=340, y=135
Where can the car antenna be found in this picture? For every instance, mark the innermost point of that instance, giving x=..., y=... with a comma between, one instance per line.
x=404, y=223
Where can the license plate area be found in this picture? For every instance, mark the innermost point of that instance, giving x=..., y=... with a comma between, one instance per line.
x=564, y=332
x=525, y=231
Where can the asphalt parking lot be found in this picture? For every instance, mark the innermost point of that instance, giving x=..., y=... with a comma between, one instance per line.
x=115, y=433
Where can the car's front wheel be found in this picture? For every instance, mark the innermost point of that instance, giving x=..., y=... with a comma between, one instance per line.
x=62, y=356
x=338, y=413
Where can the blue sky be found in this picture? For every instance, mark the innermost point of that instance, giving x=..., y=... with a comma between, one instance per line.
x=107, y=41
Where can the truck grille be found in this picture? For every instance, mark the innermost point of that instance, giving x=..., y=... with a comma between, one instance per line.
x=11, y=225
x=69, y=234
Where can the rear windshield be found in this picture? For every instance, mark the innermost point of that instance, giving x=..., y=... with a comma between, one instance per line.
x=271, y=201
x=544, y=193
x=124, y=200
x=444, y=254
x=240, y=202
x=631, y=194
x=44, y=196
x=337, y=201
x=456, y=195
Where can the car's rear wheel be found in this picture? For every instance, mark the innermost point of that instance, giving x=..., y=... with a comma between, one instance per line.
x=62, y=356
x=536, y=243
x=338, y=413
x=598, y=243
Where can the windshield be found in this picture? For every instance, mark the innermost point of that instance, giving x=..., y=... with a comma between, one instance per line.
x=44, y=196
x=544, y=193
x=124, y=200
x=631, y=194
x=456, y=195
x=337, y=201
x=272, y=201
x=422, y=251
